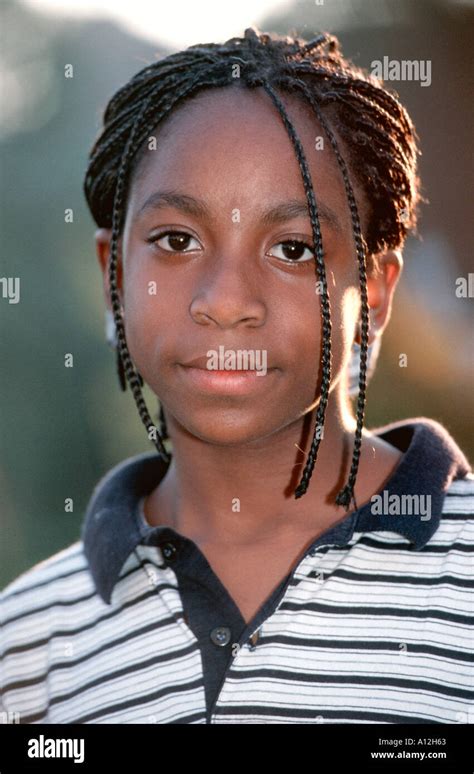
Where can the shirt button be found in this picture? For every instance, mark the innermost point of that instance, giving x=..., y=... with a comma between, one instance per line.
x=169, y=551
x=252, y=643
x=221, y=635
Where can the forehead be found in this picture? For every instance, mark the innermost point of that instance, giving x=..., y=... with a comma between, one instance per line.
x=230, y=147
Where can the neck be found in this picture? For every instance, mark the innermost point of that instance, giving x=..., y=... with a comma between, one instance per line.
x=244, y=492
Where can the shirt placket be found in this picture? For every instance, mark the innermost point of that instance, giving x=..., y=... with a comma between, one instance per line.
x=310, y=568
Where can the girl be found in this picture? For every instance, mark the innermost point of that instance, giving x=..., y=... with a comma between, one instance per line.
x=252, y=201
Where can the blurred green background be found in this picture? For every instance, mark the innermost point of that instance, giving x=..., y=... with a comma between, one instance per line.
x=62, y=428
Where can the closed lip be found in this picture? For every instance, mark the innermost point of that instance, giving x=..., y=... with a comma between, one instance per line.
x=231, y=382
x=202, y=363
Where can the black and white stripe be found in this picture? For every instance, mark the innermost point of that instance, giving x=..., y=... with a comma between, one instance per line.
x=371, y=632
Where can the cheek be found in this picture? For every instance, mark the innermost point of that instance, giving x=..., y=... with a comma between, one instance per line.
x=343, y=308
x=148, y=315
x=302, y=332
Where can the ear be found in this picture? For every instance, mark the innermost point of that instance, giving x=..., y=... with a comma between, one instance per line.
x=102, y=244
x=381, y=285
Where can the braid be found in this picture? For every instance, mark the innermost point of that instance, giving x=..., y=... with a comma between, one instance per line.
x=325, y=305
x=133, y=142
x=376, y=129
x=347, y=494
x=123, y=353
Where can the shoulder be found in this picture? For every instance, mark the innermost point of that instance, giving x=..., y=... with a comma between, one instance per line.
x=456, y=526
x=42, y=615
x=27, y=603
x=459, y=499
x=50, y=571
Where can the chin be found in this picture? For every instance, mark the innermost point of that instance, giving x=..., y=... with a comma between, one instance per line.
x=228, y=431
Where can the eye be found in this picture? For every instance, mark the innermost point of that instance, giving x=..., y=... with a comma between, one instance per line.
x=178, y=241
x=293, y=251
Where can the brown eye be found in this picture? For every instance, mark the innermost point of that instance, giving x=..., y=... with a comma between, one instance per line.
x=294, y=251
x=173, y=241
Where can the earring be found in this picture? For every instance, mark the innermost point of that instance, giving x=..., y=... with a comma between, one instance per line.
x=112, y=341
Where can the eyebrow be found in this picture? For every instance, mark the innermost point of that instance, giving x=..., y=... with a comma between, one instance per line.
x=293, y=208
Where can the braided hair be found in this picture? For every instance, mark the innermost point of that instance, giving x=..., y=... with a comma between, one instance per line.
x=376, y=129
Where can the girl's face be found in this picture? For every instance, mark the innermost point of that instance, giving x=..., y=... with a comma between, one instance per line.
x=227, y=277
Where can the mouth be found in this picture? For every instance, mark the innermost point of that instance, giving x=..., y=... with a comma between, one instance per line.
x=235, y=382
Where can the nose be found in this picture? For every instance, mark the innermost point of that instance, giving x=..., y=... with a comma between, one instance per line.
x=229, y=295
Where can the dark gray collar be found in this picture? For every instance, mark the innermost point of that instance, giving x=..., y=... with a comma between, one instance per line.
x=113, y=526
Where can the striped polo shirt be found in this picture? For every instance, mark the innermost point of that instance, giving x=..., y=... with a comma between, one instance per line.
x=373, y=624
